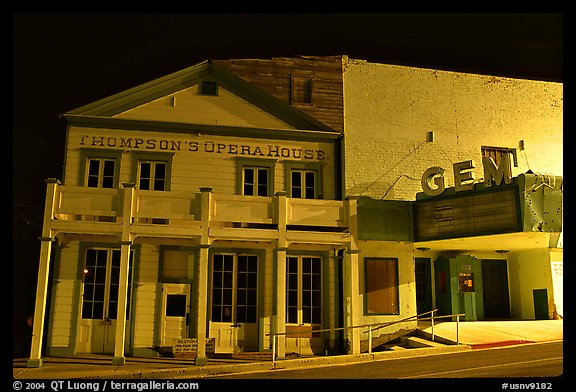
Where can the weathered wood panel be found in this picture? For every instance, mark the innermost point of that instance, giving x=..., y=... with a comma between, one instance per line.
x=274, y=76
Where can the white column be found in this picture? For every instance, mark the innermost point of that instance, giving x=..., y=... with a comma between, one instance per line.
x=125, y=248
x=201, y=322
x=120, y=338
x=281, y=249
x=35, y=359
x=280, y=325
x=202, y=305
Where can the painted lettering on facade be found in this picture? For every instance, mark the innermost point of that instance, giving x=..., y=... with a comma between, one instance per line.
x=208, y=146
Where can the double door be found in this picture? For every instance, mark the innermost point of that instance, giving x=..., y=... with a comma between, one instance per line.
x=234, y=302
x=100, y=284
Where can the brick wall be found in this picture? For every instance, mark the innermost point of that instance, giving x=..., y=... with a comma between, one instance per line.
x=389, y=109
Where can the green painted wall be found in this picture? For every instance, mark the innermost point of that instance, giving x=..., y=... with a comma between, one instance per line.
x=385, y=220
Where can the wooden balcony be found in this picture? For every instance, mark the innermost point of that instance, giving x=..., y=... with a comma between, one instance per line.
x=204, y=214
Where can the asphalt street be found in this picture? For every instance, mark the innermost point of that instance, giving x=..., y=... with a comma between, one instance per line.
x=527, y=360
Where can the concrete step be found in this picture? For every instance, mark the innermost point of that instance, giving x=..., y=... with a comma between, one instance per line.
x=417, y=342
x=396, y=347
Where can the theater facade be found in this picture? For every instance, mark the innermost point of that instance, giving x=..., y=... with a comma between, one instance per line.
x=235, y=203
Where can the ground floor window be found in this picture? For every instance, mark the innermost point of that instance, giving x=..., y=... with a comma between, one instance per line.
x=381, y=286
x=101, y=284
x=304, y=290
x=234, y=288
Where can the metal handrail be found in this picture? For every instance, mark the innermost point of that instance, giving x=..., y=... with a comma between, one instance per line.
x=381, y=324
x=370, y=329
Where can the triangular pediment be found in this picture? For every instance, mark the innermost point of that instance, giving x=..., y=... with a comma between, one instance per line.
x=191, y=106
x=179, y=99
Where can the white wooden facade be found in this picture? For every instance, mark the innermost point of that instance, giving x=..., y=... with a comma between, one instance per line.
x=199, y=213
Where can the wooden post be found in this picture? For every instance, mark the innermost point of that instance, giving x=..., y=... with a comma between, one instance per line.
x=281, y=250
x=125, y=248
x=50, y=203
x=202, y=277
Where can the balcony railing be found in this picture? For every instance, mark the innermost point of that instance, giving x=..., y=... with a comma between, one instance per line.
x=74, y=205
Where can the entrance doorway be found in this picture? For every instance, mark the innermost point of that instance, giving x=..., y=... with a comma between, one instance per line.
x=101, y=280
x=423, y=273
x=540, y=304
x=304, y=304
x=495, y=289
x=234, y=303
x=175, y=313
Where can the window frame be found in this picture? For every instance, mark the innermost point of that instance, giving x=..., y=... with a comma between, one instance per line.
x=192, y=269
x=368, y=275
x=289, y=167
x=83, y=254
x=255, y=163
x=234, y=287
x=163, y=157
x=298, y=82
x=496, y=153
x=88, y=154
x=208, y=93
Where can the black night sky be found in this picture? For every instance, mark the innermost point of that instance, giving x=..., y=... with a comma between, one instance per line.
x=61, y=61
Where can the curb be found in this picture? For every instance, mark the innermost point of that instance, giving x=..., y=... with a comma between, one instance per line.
x=220, y=370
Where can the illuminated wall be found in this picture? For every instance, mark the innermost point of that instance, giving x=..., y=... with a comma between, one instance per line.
x=389, y=109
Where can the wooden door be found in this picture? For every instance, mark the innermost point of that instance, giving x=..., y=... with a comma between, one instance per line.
x=233, y=316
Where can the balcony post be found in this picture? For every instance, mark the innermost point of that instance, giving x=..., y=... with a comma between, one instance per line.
x=281, y=250
x=35, y=359
x=125, y=246
x=202, y=278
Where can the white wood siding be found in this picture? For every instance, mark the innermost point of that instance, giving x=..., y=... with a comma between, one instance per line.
x=198, y=161
x=63, y=301
x=145, y=291
x=188, y=106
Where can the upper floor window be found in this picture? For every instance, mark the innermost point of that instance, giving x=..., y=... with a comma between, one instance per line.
x=303, y=180
x=255, y=181
x=303, y=184
x=301, y=89
x=496, y=153
x=152, y=175
x=151, y=170
x=100, y=168
x=209, y=88
x=100, y=173
x=255, y=177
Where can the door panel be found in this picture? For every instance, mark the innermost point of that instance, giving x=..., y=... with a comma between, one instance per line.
x=234, y=319
x=175, y=314
x=540, y=304
x=423, y=285
x=495, y=289
x=97, y=324
x=304, y=304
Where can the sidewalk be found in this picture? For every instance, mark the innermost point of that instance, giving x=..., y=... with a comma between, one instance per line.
x=472, y=335
x=487, y=334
